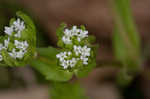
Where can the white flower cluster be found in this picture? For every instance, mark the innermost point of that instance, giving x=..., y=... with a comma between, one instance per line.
x=74, y=32
x=66, y=62
x=79, y=53
x=20, y=46
x=83, y=53
x=16, y=27
x=5, y=46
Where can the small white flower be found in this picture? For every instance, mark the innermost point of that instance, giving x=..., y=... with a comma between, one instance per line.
x=17, y=54
x=13, y=53
x=21, y=49
x=8, y=30
x=21, y=45
x=61, y=56
x=79, y=39
x=20, y=54
x=18, y=34
x=6, y=42
x=69, y=53
x=75, y=31
x=69, y=34
x=64, y=62
x=16, y=27
x=1, y=58
x=83, y=34
x=85, y=62
x=1, y=46
x=83, y=52
x=19, y=25
x=73, y=62
x=58, y=56
x=77, y=50
x=66, y=40
x=86, y=51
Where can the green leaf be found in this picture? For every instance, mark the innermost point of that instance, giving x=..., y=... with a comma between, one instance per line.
x=11, y=61
x=119, y=46
x=60, y=33
x=67, y=91
x=30, y=36
x=11, y=21
x=27, y=20
x=51, y=70
x=49, y=52
x=91, y=39
x=60, y=30
x=126, y=37
x=124, y=79
x=126, y=40
x=83, y=27
x=85, y=70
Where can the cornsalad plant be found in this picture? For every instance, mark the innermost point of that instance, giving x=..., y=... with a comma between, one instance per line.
x=75, y=55
x=18, y=45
